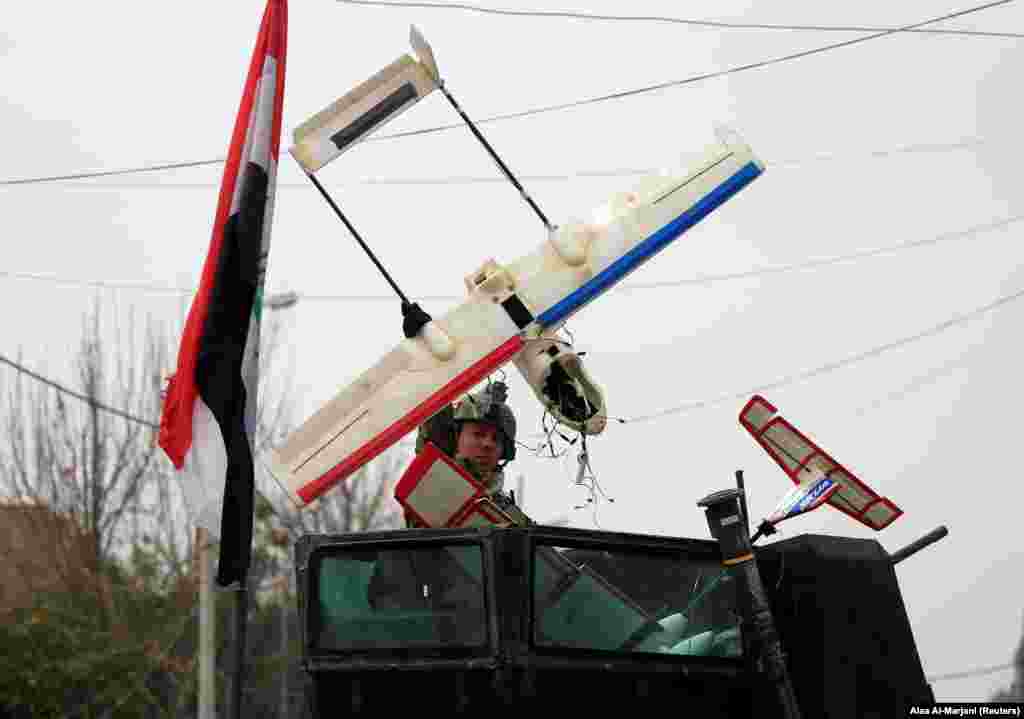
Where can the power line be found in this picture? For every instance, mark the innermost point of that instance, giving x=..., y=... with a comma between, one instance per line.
x=88, y=400
x=107, y=173
x=692, y=281
x=681, y=409
x=811, y=264
x=914, y=385
x=832, y=366
x=693, y=79
x=578, y=103
x=919, y=147
x=97, y=284
x=497, y=179
x=972, y=672
x=664, y=19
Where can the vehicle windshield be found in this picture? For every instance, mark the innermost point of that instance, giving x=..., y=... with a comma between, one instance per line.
x=416, y=597
x=433, y=597
x=634, y=602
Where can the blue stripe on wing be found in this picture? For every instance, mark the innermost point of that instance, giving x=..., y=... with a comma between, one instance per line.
x=649, y=247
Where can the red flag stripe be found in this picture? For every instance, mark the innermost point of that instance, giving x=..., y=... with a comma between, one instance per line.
x=176, y=421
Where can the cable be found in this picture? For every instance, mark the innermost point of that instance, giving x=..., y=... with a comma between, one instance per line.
x=494, y=179
x=972, y=672
x=915, y=384
x=578, y=103
x=98, y=284
x=477, y=179
x=106, y=173
x=691, y=281
x=838, y=364
x=823, y=369
x=875, y=154
x=809, y=264
x=87, y=400
x=693, y=79
x=660, y=19
x=681, y=409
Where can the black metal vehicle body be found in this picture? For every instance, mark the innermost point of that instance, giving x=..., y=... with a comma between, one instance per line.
x=546, y=619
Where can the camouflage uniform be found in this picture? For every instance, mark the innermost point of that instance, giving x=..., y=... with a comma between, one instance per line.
x=443, y=430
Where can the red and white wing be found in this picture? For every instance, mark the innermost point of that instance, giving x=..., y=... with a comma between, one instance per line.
x=435, y=490
x=801, y=458
x=404, y=389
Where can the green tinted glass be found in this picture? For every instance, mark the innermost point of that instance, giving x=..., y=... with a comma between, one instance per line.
x=633, y=602
x=422, y=597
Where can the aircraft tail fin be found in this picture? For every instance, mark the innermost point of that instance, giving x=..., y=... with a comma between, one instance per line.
x=361, y=111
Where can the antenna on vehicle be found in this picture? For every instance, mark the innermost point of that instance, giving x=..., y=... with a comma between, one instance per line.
x=743, y=499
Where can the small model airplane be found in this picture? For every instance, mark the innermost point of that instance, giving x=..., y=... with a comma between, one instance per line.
x=818, y=477
x=512, y=312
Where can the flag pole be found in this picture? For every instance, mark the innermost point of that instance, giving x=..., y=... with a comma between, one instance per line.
x=241, y=613
x=207, y=626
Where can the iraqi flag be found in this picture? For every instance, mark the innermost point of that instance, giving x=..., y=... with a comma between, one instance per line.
x=210, y=408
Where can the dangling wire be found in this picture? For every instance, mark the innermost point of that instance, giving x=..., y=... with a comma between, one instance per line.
x=549, y=442
x=535, y=450
x=586, y=478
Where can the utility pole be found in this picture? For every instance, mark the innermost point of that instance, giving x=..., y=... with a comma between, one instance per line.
x=207, y=626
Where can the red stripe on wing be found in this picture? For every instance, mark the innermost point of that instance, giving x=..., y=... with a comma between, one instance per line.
x=422, y=412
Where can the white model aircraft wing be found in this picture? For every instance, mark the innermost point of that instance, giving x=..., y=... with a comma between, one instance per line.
x=805, y=462
x=507, y=308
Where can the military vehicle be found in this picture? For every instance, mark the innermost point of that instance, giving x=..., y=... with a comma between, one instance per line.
x=503, y=619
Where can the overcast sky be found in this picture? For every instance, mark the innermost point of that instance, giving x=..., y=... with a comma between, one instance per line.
x=905, y=139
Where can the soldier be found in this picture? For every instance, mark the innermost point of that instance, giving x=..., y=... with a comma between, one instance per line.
x=479, y=433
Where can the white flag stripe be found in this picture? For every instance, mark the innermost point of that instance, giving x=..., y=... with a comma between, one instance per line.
x=256, y=147
x=257, y=150
x=207, y=457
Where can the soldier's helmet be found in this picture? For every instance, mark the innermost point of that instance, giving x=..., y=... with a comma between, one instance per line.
x=489, y=406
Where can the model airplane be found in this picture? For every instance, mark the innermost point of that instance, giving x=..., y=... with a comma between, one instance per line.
x=512, y=312
x=818, y=477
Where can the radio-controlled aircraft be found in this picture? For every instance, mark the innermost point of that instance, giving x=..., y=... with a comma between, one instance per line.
x=817, y=476
x=512, y=312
